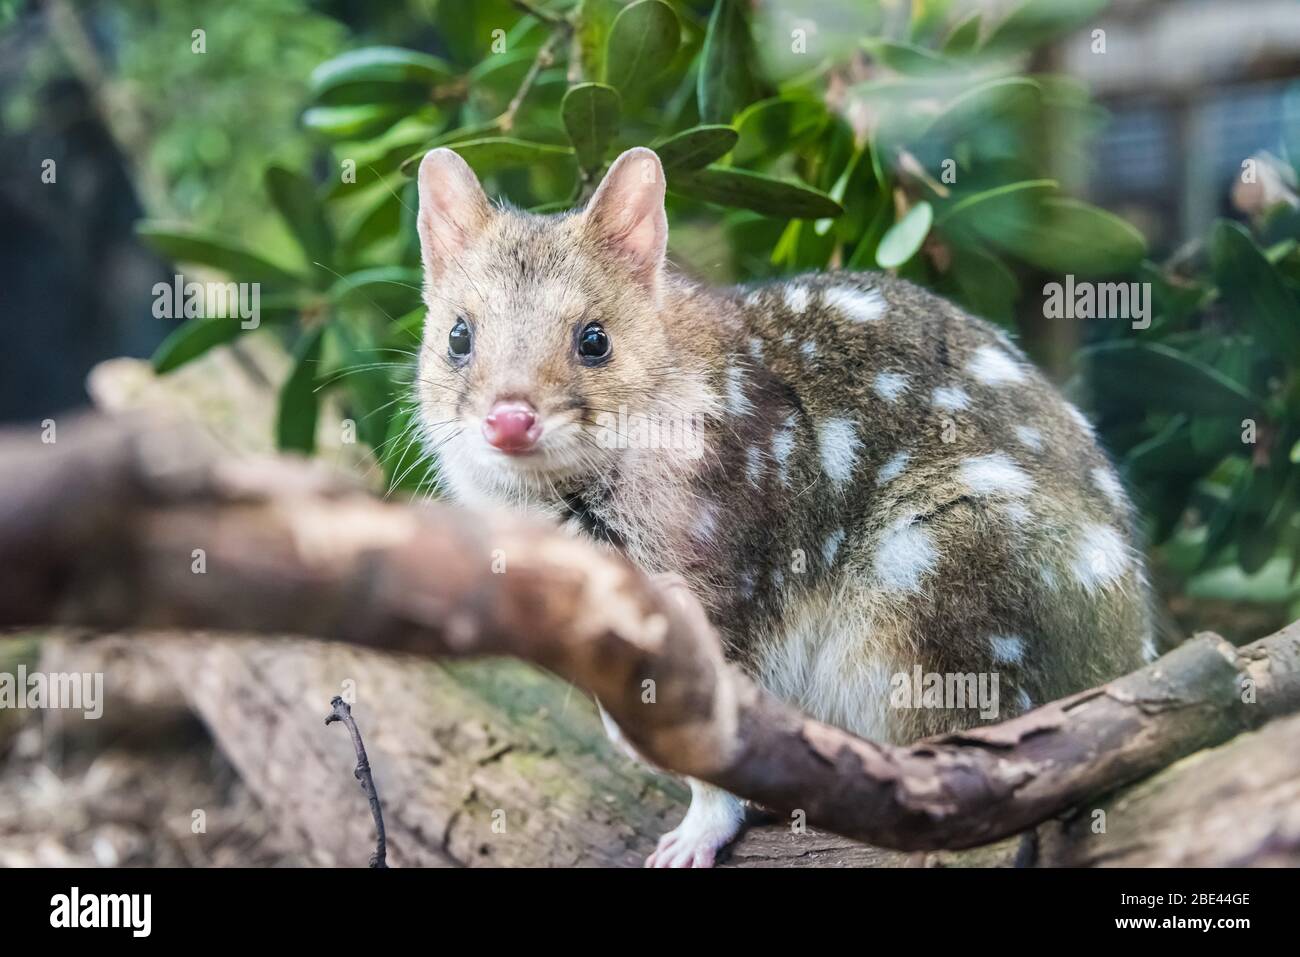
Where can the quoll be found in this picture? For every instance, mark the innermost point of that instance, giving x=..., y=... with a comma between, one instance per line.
x=879, y=481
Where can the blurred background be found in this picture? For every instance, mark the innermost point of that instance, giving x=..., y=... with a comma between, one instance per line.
x=984, y=149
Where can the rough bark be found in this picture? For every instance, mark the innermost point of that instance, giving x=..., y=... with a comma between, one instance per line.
x=1236, y=805
x=101, y=530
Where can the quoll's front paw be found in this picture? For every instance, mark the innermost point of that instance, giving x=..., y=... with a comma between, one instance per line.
x=712, y=822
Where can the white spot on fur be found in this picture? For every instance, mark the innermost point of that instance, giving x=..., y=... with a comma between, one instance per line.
x=950, y=398
x=1149, y=651
x=831, y=547
x=1019, y=513
x=1101, y=557
x=905, y=553
x=1007, y=649
x=778, y=578
x=1080, y=418
x=754, y=466
x=706, y=522
x=1023, y=701
x=890, y=385
x=857, y=304
x=995, y=474
x=783, y=446
x=1031, y=439
x=796, y=298
x=809, y=349
x=756, y=349
x=893, y=468
x=991, y=366
x=838, y=442
x=1110, y=486
x=737, y=402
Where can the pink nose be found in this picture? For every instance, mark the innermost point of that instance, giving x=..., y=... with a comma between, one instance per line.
x=512, y=426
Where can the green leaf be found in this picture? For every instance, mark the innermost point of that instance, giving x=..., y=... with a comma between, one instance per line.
x=192, y=339
x=988, y=287
x=493, y=153
x=591, y=117
x=726, y=81
x=904, y=239
x=1253, y=290
x=377, y=74
x=393, y=290
x=294, y=197
x=353, y=122
x=594, y=20
x=1003, y=100
x=773, y=127
x=906, y=58
x=697, y=147
x=642, y=43
x=204, y=249
x=1159, y=378
x=1069, y=236
x=964, y=37
x=747, y=190
x=380, y=221
x=1038, y=21
x=368, y=386
x=295, y=427
x=970, y=213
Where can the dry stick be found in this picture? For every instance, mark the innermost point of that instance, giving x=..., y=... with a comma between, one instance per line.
x=100, y=529
x=343, y=712
x=545, y=57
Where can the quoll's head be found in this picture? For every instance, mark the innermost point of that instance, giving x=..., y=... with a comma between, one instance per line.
x=536, y=325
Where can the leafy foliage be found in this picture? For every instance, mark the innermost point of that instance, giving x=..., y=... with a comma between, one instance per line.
x=1205, y=408
x=922, y=149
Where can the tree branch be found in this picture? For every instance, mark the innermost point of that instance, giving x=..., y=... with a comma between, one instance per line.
x=106, y=527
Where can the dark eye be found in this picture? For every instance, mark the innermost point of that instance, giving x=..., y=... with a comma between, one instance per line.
x=593, y=343
x=458, y=342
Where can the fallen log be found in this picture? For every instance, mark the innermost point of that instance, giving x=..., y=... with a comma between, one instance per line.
x=120, y=525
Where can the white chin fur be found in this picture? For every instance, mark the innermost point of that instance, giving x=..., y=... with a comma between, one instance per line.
x=477, y=475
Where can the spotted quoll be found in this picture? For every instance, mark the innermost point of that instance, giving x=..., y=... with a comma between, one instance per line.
x=864, y=480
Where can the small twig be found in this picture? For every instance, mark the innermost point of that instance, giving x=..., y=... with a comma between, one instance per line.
x=343, y=712
x=545, y=57
x=551, y=19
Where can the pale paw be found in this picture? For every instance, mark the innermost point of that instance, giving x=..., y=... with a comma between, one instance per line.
x=711, y=824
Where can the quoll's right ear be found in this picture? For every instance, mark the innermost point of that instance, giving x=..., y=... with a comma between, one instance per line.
x=453, y=208
x=626, y=214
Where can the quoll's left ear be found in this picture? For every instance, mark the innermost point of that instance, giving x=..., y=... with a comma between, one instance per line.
x=627, y=213
x=453, y=209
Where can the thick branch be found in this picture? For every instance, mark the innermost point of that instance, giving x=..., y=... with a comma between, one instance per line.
x=102, y=528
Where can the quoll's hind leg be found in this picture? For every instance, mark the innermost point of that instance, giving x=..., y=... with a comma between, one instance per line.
x=713, y=821
x=714, y=817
